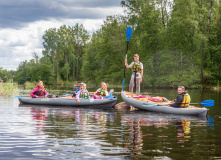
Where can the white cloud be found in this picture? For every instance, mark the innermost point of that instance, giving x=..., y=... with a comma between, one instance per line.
x=22, y=36
x=18, y=45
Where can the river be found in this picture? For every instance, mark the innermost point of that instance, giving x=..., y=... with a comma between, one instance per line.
x=47, y=132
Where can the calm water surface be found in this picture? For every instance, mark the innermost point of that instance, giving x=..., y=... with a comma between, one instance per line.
x=46, y=132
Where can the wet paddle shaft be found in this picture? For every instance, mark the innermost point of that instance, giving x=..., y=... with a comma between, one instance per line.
x=128, y=34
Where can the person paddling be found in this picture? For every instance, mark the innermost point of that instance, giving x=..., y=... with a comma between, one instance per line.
x=183, y=98
x=137, y=69
x=39, y=91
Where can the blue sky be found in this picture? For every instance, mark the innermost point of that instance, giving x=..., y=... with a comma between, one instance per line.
x=23, y=22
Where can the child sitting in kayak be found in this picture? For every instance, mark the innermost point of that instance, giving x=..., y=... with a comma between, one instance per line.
x=80, y=88
x=103, y=90
x=39, y=91
x=83, y=93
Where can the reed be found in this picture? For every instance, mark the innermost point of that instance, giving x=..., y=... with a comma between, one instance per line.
x=8, y=89
x=30, y=85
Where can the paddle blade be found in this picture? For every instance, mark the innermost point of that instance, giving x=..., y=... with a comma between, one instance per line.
x=207, y=103
x=110, y=96
x=128, y=33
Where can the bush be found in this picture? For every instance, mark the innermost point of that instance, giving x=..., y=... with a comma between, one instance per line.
x=8, y=89
x=30, y=85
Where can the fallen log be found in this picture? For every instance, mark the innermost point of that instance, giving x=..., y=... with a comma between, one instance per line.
x=124, y=105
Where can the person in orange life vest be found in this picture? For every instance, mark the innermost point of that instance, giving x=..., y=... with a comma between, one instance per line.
x=183, y=98
x=39, y=91
x=81, y=84
x=80, y=88
x=137, y=69
x=82, y=93
x=103, y=90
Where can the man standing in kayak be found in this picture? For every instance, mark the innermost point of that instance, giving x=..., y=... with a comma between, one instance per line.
x=183, y=98
x=137, y=69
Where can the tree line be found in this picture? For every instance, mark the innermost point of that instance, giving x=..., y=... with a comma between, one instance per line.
x=179, y=43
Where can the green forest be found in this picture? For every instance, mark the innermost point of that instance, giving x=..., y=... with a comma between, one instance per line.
x=179, y=43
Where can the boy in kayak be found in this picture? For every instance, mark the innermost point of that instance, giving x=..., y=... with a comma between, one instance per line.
x=39, y=91
x=137, y=69
x=82, y=93
x=183, y=98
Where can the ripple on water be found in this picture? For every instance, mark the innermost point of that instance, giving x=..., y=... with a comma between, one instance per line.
x=33, y=132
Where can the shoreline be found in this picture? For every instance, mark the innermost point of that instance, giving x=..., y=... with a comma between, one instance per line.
x=119, y=86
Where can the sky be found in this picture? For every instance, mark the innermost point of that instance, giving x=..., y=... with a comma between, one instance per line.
x=23, y=22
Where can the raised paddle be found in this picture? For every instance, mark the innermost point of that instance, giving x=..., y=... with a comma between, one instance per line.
x=206, y=103
x=128, y=35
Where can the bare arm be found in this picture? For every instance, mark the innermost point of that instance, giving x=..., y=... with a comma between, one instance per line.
x=112, y=90
x=126, y=63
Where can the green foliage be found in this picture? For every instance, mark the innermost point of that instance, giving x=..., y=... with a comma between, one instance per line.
x=8, y=89
x=6, y=75
x=169, y=69
x=65, y=70
x=104, y=57
x=30, y=85
x=34, y=71
x=179, y=43
x=62, y=56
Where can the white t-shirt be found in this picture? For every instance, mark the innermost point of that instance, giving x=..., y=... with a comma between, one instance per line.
x=138, y=74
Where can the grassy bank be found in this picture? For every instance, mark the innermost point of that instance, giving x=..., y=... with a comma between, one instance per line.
x=8, y=89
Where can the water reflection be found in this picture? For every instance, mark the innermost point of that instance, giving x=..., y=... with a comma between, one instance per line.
x=183, y=130
x=37, y=132
x=70, y=119
x=87, y=133
x=40, y=116
x=104, y=134
x=157, y=130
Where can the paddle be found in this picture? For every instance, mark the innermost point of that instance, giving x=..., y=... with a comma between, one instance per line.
x=128, y=35
x=65, y=95
x=20, y=96
x=206, y=103
x=151, y=105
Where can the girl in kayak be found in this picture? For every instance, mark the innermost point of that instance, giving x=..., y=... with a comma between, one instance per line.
x=39, y=91
x=83, y=93
x=103, y=90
